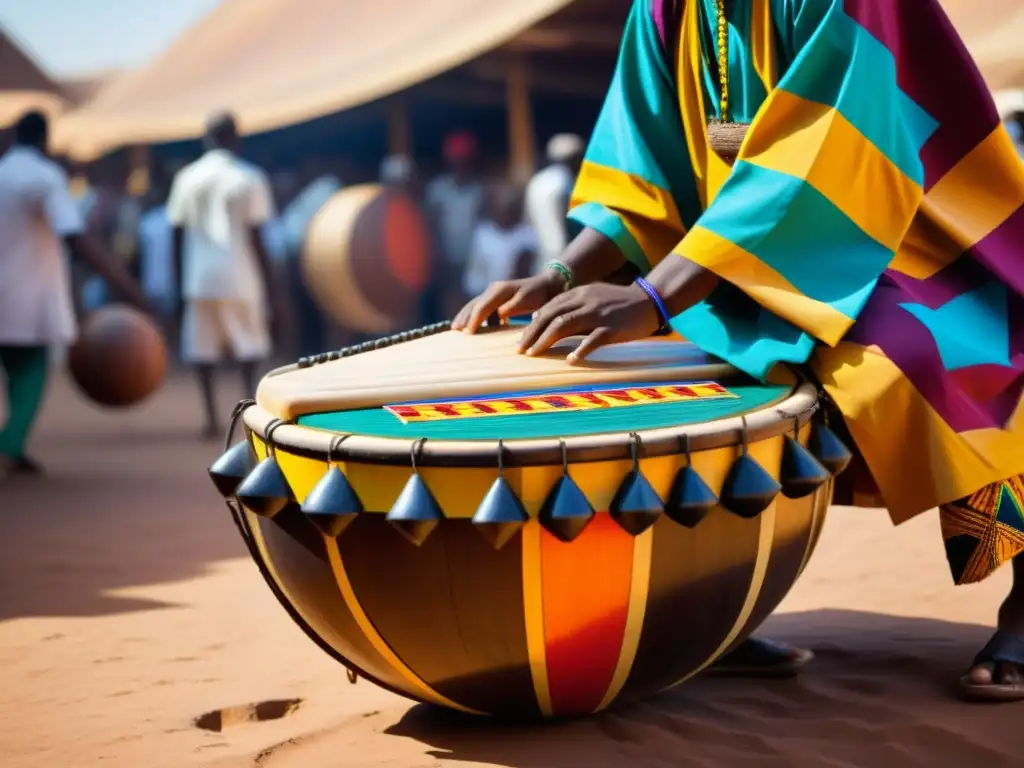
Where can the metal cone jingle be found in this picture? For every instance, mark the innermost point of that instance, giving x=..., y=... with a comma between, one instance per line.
x=566, y=510
x=636, y=506
x=231, y=468
x=333, y=503
x=265, y=490
x=801, y=473
x=690, y=500
x=748, y=489
x=501, y=514
x=416, y=512
x=829, y=449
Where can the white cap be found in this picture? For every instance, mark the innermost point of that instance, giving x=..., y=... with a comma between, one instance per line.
x=396, y=169
x=563, y=146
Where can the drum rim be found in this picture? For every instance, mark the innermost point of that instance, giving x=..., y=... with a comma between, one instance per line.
x=775, y=420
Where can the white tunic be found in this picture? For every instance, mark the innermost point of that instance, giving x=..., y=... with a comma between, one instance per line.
x=36, y=213
x=494, y=254
x=547, y=205
x=217, y=200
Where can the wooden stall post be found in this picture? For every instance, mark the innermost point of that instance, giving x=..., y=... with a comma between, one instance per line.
x=522, y=150
x=399, y=127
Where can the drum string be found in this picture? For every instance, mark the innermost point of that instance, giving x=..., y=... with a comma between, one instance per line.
x=684, y=444
x=381, y=343
x=268, y=438
x=236, y=414
x=353, y=672
x=233, y=507
x=257, y=557
x=635, y=448
x=387, y=341
x=334, y=446
x=416, y=449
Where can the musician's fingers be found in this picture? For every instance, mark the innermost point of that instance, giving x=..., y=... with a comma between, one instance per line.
x=462, y=319
x=561, y=327
x=597, y=338
x=484, y=307
x=543, y=317
x=515, y=305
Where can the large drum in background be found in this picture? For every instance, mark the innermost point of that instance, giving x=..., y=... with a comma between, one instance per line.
x=516, y=536
x=366, y=259
x=120, y=357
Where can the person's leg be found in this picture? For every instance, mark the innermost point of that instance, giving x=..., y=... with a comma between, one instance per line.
x=202, y=347
x=205, y=376
x=248, y=336
x=982, y=533
x=309, y=322
x=1001, y=671
x=26, y=372
x=248, y=369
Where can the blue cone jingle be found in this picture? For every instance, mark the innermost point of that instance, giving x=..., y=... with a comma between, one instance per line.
x=501, y=514
x=829, y=449
x=265, y=491
x=801, y=473
x=690, y=500
x=231, y=468
x=566, y=511
x=333, y=503
x=748, y=489
x=415, y=513
x=636, y=506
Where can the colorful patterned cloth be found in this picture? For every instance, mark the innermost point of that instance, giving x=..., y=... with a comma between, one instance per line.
x=870, y=228
x=984, y=531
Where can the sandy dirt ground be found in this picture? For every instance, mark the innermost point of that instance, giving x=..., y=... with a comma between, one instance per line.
x=128, y=609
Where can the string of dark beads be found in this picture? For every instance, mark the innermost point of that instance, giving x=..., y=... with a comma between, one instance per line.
x=367, y=346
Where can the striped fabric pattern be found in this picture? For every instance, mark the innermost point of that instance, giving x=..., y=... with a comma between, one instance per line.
x=870, y=228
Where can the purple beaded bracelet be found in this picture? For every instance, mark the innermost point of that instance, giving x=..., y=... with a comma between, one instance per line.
x=659, y=305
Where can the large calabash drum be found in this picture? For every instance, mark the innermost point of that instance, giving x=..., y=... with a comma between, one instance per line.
x=516, y=536
x=366, y=259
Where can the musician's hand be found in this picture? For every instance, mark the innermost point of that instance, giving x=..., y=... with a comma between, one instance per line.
x=603, y=313
x=509, y=298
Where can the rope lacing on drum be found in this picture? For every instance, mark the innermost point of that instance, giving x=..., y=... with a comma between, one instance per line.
x=381, y=343
x=254, y=552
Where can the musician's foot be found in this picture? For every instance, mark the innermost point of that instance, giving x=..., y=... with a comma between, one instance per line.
x=760, y=657
x=998, y=671
x=20, y=465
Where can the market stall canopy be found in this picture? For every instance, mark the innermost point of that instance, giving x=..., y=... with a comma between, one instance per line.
x=23, y=86
x=280, y=62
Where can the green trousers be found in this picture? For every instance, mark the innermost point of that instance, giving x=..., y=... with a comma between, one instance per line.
x=25, y=369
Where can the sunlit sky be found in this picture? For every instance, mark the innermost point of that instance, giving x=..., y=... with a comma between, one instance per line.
x=70, y=38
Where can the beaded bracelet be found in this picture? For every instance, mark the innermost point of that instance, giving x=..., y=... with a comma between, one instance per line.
x=659, y=305
x=562, y=270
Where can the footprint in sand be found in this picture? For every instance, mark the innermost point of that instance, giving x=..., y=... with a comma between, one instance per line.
x=230, y=717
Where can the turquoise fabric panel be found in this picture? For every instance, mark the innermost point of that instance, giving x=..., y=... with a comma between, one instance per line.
x=639, y=130
x=597, y=217
x=845, y=67
x=730, y=325
x=783, y=221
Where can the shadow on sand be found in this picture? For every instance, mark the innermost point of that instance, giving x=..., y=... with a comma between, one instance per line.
x=126, y=502
x=878, y=694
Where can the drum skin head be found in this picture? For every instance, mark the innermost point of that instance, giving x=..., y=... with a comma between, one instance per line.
x=367, y=258
x=454, y=365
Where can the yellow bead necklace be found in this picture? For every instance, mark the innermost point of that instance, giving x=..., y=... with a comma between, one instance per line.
x=723, y=60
